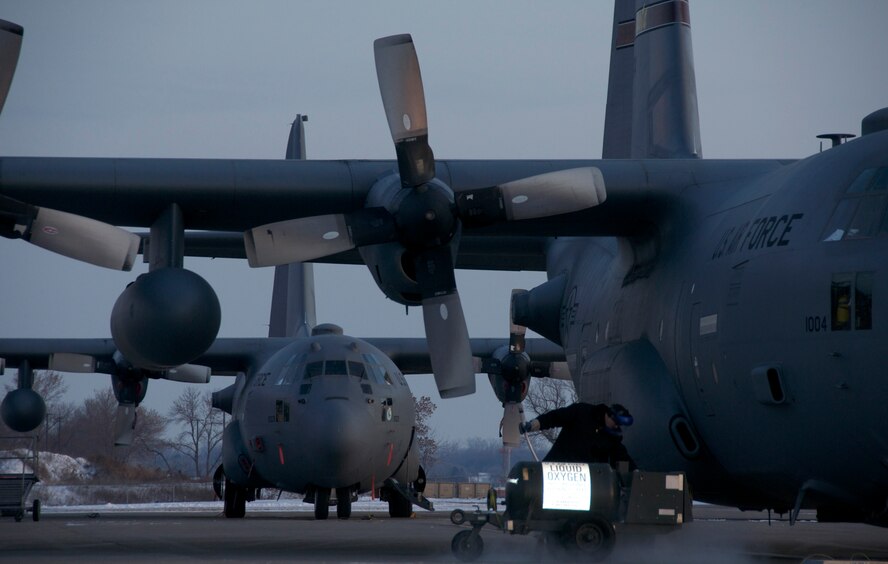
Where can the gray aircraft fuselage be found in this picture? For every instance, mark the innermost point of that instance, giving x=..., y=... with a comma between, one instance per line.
x=328, y=411
x=745, y=332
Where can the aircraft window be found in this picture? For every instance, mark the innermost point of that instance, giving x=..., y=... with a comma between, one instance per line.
x=357, y=369
x=838, y=223
x=335, y=368
x=862, y=182
x=852, y=298
x=841, y=302
x=866, y=220
x=377, y=372
x=313, y=369
x=859, y=214
x=388, y=379
x=863, y=301
x=291, y=371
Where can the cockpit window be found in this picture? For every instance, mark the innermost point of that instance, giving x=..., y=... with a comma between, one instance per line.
x=313, y=369
x=356, y=369
x=376, y=370
x=335, y=368
x=292, y=370
x=859, y=214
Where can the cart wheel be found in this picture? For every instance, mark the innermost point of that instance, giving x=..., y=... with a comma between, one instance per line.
x=19, y=516
x=35, y=510
x=457, y=516
x=594, y=538
x=466, y=548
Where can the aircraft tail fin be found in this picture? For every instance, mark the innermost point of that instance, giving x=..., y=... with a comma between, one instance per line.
x=293, y=296
x=652, y=90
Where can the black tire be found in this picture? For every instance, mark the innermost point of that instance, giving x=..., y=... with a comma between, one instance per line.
x=399, y=508
x=322, y=503
x=457, y=516
x=219, y=482
x=235, y=506
x=35, y=510
x=466, y=548
x=343, y=503
x=594, y=538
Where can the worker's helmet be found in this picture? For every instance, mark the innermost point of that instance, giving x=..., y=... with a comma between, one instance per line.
x=620, y=415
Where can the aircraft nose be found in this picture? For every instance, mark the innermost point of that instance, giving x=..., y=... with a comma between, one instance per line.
x=336, y=437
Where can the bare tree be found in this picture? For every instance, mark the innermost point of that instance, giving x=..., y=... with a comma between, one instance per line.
x=425, y=437
x=546, y=394
x=202, y=430
x=94, y=429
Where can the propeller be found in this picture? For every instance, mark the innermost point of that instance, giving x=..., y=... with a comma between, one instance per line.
x=128, y=382
x=424, y=216
x=70, y=235
x=510, y=370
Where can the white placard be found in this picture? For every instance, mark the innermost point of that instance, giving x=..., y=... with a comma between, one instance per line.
x=566, y=485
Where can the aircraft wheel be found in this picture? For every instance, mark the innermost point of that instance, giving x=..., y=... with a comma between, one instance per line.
x=457, y=516
x=594, y=538
x=235, y=506
x=343, y=503
x=322, y=503
x=466, y=548
x=399, y=507
x=35, y=510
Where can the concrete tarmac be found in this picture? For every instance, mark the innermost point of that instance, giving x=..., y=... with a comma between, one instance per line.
x=716, y=535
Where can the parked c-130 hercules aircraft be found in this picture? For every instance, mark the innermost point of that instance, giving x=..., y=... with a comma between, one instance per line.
x=735, y=304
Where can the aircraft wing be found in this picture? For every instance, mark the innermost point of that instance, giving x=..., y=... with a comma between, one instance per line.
x=237, y=195
x=230, y=356
x=412, y=355
x=224, y=357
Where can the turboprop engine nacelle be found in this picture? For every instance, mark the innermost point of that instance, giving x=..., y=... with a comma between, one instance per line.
x=166, y=318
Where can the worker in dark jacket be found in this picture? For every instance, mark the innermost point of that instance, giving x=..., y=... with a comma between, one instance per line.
x=589, y=433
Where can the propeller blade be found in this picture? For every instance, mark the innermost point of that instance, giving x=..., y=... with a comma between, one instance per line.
x=84, y=239
x=72, y=362
x=543, y=195
x=400, y=85
x=73, y=236
x=516, y=332
x=449, y=349
x=10, y=46
x=309, y=238
x=297, y=240
x=125, y=424
x=189, y=374
x=513, y=414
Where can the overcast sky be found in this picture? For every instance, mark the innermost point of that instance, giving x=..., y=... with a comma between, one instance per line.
x=504, y=79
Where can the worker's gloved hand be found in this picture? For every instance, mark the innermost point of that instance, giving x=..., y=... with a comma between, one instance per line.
x=528, y=427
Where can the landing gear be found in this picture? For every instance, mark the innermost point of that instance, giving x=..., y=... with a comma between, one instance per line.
x=399, y=506
x=343, y=503
x=235, y=496
x=322, y=503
